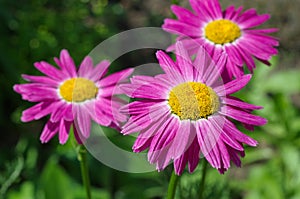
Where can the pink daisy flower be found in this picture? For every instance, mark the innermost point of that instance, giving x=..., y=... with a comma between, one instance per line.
x=72, y=97
x=187, y=112
x=229, y=31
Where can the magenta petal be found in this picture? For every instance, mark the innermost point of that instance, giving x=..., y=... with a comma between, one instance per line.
x=233, y=86
x=46, y=109
x=214, y=8
x=179, y=163
x=101, y=117
x=263, y=31
x=201, y=10
x=224, y=137
x=183, y=139
x=232, y=131
x=115, y=78
x=49, y=70
x=229, y=12
x=193, y=155
x=141, y=121
x=255, y=21
x=59, y=112
x=225, y=157
x=29, y=114
x=144, y=139
x=40, y=79
x=246, y=15
x=207, y=139
x=178, y=27
x=243, y=116
x=86, y=67
x=213, y=71
x=141, y=144
x=100, y=70
x=64, y=129
x=168, y=65
x=150, y=91
x=240, y=104
x=234, y=55
x=161, y=140
x=201, y=61
x=185, y=15
x=67, y=63
x=49, y=131
x=82, y=121
x=184, y=62
x=79, y=139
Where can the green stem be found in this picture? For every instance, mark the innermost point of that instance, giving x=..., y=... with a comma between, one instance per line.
x=202, y=183
x=84, y=170
x=172, y=185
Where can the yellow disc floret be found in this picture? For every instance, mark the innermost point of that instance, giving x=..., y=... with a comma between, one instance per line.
x=78, y=90
x=222, y=31
x=193, y=101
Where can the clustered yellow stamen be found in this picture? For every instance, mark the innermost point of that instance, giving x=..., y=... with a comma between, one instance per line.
x=193, y=101
x=78, y=90
x=222, y=31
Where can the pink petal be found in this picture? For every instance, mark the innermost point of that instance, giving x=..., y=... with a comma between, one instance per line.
x=46, y=109
x=202, y=11
x=86, y=67
x=49, y=131
x=115, y=78
x=170, y=68
x=49, y=70
x=243, y=116
x=233, y=86
x=41, y=79
x=179, y=163
x=29, y=114
x=254, y=21
x=224, y=137
x=162, y=139
x=240, y=104
x=82, y=121
x=207, y=139
x=184, y=62
x=185, y=15
x=64, y=129
x=67, y=63
x=59, y=112
x=233, y=132
x=100, y=70
x=183, y=139
x=181, y=28
x=193, y=155
x=213, y=71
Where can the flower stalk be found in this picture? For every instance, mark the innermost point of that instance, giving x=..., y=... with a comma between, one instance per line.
x=172, y=185
x=202, y=183
x=84, y=170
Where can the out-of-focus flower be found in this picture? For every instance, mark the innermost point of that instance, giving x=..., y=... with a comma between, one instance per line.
x=230, y=31
x=72, y=97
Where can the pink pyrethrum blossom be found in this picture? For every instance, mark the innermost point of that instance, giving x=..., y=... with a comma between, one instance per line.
x=72, y=97
x=187, y=113
x=231, y=31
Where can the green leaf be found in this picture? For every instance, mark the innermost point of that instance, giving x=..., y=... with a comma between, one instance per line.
x=55, y=183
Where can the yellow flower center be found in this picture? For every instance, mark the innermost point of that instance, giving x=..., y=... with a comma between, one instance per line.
x=193, y=101
x=78, y=90
x=222, y=31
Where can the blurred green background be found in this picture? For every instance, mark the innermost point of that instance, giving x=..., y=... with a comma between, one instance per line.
x=34, y=30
